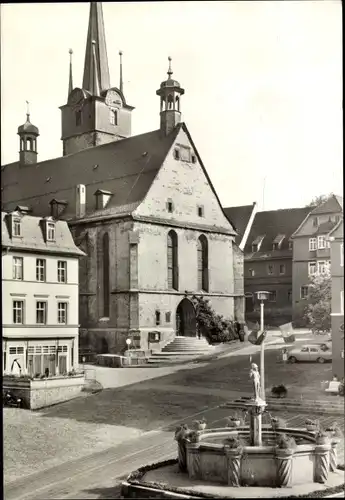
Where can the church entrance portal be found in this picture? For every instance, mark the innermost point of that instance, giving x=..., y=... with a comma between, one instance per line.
x=185, y=319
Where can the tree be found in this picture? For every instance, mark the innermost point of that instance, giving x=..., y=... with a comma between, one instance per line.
x=317, y=200
x=211, y=325
x=318, y=310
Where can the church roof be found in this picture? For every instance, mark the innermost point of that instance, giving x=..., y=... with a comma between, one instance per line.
x=239, y=218
x=126, y=168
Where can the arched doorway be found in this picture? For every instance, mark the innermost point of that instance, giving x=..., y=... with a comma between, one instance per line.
x=185, y=319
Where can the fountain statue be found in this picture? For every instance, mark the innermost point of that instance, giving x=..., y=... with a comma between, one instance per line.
x=255, y=375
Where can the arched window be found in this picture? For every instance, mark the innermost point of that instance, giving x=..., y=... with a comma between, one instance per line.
x=106, y=279
x=170, y=101
x=113, y=117
x=202, y=250
x=172, y=260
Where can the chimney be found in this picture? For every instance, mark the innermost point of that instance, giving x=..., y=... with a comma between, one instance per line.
x=80, y=200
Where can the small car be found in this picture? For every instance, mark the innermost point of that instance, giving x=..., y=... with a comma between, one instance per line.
x=311, y=352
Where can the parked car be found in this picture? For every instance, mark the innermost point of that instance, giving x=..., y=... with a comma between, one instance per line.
x=311, y=352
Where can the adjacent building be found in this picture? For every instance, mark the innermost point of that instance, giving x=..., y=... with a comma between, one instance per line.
x=336, y=239
x=268, y=263
x=311, y=250
x=39, y=295
x=143, y=210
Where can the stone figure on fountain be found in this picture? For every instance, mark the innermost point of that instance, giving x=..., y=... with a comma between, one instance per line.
x=255, y=376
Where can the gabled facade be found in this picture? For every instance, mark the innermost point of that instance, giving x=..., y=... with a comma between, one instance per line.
x=144, y=211
x=268, y=263
x=311, y=249
x=39, y=295
x=336, y=239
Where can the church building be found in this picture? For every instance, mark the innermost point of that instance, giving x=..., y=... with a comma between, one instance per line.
x=142, y=208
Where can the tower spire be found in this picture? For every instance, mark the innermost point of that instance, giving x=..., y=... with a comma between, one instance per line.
x=96, y=33
x=27, y=111
x=95, y=83
x=170, y=71
x=121, y=80
x=70, y=83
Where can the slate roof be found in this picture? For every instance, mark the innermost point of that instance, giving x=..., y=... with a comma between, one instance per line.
x=239, y=218
x=126, y=168
x=272, y=223
x=32, y=238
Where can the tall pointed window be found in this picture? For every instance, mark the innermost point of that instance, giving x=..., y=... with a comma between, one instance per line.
x=106, y=280
x=202, y=250
x=113, y=117
x=172, y=260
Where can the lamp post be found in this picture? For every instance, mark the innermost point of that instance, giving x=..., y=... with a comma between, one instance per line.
x=128, y=342
x=262, y=296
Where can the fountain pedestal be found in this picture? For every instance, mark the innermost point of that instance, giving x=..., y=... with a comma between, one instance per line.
x=255, y=408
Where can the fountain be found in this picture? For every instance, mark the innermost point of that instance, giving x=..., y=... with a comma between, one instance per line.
x=220, y=462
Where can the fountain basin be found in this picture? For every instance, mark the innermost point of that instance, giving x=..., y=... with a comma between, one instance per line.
x=210, y=460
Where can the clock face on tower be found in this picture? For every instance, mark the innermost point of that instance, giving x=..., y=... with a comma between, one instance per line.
x=113, y=99
x=76, y=97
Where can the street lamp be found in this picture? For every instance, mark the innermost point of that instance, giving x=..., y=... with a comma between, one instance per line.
x=262, y=296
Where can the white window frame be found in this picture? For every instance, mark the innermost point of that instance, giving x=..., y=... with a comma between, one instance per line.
x=341, y=254
x=284, y=269
x=62, y=271
x=17, y=227
x=51, y=231
x=62, y=313
x=302, y=295
x=312, y=244
x=321, y=242
x=251, y=273
x=322, y=266
x=18, y=268
x=15, y=308
x=272, y=296
x=41, y=270
x=310, y=264
x=43, y=309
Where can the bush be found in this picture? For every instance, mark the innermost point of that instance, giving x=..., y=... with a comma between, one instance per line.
x=214, y=327
x=280, y=391
x=341, y=388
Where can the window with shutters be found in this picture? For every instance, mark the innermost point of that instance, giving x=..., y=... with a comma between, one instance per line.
x=172, y=261
x=202, y=251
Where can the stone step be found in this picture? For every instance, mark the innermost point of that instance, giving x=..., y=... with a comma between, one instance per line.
x=176, y=353
x=188, y=348
x=299, y=402
x=323, y=409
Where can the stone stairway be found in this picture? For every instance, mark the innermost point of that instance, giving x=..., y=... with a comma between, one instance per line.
x=182, y=349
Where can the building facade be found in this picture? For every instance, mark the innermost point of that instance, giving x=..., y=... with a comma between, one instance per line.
x=311, y=250
x=336, y=238
x=39, y=295
x=142, y=208
x=268, y=264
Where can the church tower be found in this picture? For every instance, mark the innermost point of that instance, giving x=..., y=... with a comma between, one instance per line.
x=170, y=92
x=96, y=113
x=28, y=134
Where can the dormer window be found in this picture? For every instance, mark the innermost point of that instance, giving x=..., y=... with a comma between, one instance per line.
x=102, y=198
x=57, y=207
x=277, y=242
x=315, y=221
x=50, y=231
x=257, y=243
x=290, y=245
x=185, y=153
x=16, y=227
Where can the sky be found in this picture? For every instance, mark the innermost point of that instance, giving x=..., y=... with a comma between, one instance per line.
x=262, y=80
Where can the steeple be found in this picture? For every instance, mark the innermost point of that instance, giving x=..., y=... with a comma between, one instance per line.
x=98, y=56
x=28, y=134
x=170, y=93
x=70, y=82
x=121, y=80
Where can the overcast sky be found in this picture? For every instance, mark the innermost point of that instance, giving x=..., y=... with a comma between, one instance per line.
x=262, y=80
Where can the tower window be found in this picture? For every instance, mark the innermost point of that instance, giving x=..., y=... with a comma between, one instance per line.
x=176, y=154
x=78, y=118
x=200, y=211
x=158, y=317
x=113, y=117
x=193, y=159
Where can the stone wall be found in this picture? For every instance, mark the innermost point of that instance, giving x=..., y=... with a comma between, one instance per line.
x=41, y=393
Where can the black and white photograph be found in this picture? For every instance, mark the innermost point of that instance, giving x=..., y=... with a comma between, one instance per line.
x=172, y=249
